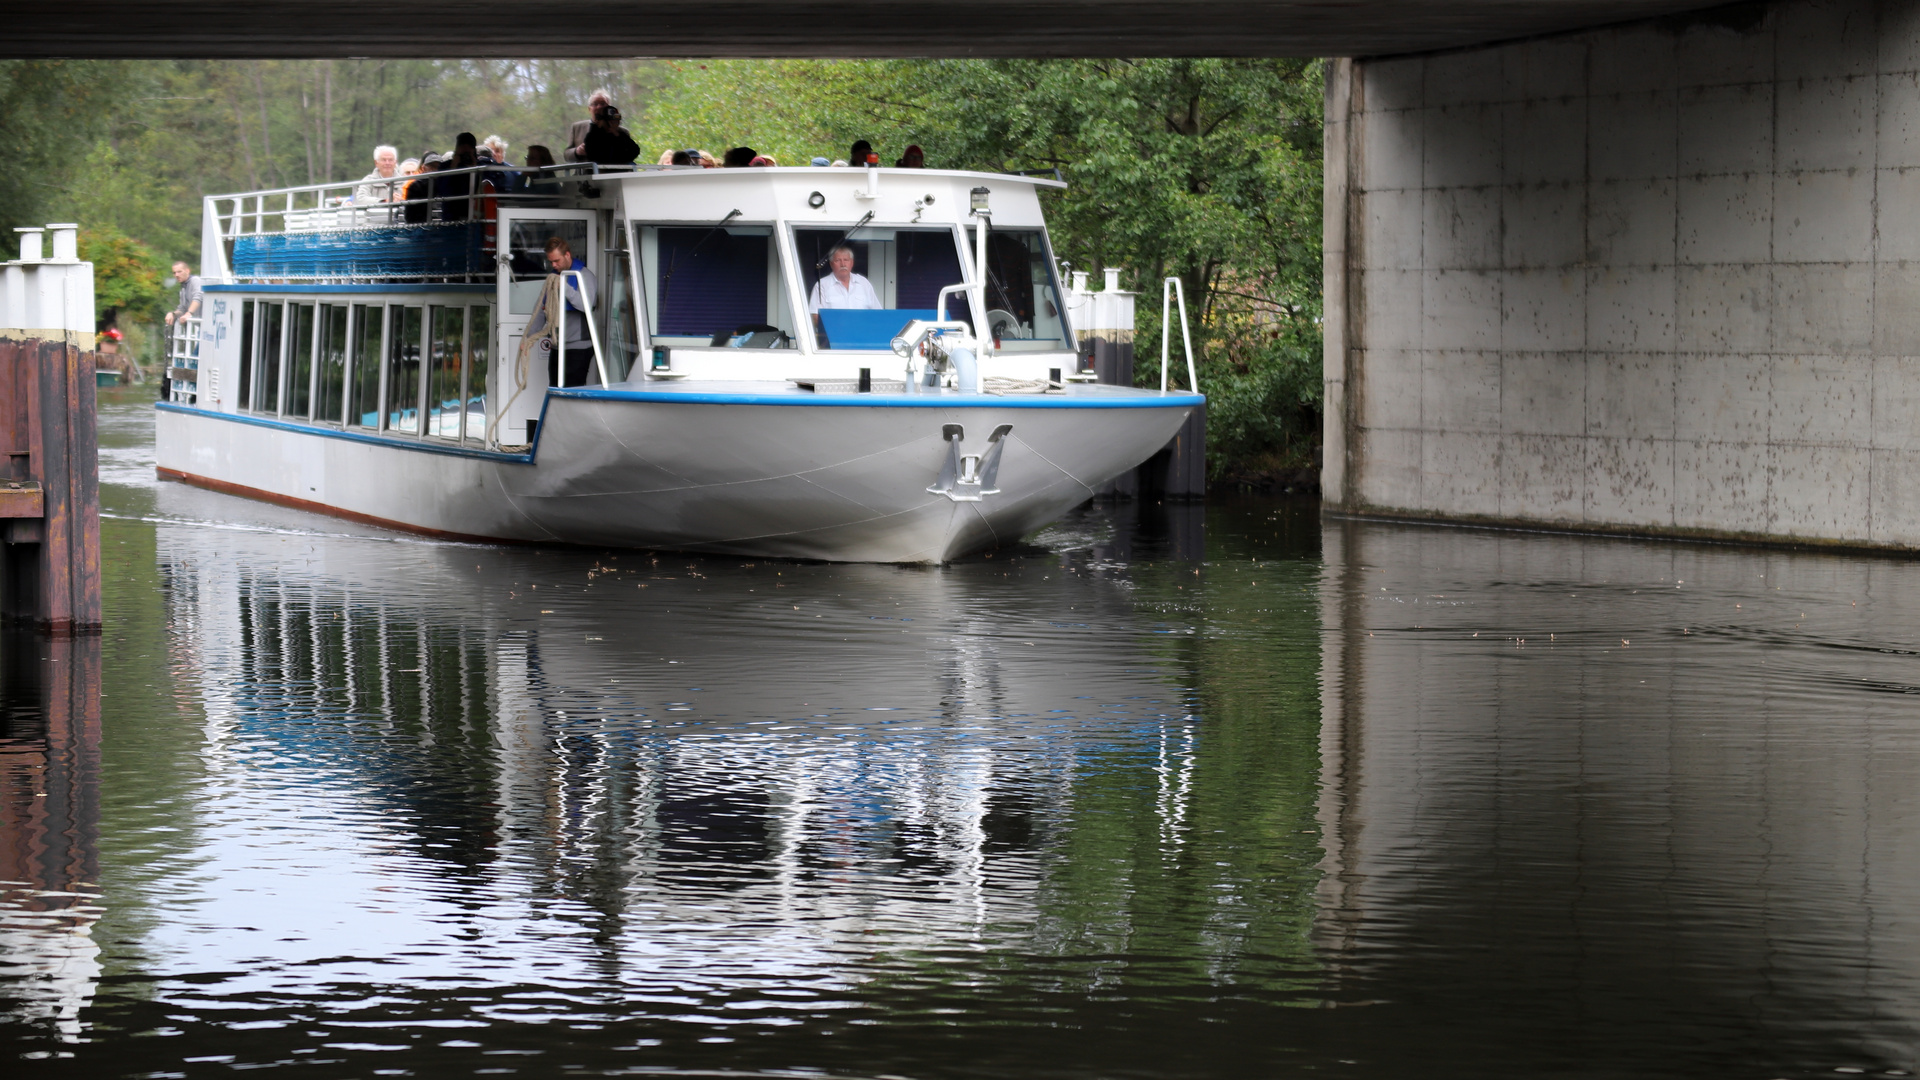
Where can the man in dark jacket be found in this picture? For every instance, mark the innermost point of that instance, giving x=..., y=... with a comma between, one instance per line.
x=577, y=134
x=606, y=142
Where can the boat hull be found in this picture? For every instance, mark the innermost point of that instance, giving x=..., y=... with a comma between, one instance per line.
x=841, y=479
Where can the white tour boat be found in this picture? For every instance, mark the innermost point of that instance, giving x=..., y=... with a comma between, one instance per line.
x=353, y=362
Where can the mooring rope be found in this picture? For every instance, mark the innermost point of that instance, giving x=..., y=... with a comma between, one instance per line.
x=551, y=305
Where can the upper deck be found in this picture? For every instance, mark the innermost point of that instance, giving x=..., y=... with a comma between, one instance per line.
x=336, y=234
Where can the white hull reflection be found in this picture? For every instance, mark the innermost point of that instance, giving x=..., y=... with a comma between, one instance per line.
x=746, y=791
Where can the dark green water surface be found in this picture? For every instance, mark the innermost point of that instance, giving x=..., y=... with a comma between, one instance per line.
x=1162, y=792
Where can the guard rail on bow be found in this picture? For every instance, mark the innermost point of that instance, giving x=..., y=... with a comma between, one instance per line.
x=1167, y=289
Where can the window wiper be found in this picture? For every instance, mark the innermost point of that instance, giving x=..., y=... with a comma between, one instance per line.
x=666, y=279
x=821, y=263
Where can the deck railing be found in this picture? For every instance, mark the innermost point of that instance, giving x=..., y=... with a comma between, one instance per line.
x=183, y=360
x=356, y=231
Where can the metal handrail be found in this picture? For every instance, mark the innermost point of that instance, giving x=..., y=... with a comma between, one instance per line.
x=941, y=303
x=1167, y=289
x=183, y=341
x=238, y=213
x=593, y=332
x=183, y=351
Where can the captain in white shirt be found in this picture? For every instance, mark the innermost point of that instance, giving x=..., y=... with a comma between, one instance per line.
x=843, y=288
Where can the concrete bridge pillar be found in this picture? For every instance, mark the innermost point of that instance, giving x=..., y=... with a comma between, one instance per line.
x=1657, y=277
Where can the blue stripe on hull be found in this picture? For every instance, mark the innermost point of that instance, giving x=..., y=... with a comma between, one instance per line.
x=1145, y=399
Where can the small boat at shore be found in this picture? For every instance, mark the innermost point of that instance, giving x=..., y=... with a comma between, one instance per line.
x=355, y=362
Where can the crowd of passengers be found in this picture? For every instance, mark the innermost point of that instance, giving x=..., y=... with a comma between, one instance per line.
x=601, y=138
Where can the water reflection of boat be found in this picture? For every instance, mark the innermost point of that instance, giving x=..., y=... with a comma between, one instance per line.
x=375, y=369
x=756, y=751
x=49, y=830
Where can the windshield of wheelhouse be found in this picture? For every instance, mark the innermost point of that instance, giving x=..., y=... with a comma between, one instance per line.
x=1024, y=309
x=715, y=285
x=884, y=278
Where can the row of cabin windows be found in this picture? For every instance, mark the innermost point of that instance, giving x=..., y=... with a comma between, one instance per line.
x=710, y=283
x=408, y=369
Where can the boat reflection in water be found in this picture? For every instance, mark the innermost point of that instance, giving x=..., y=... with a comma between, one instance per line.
x=708, y=799
x=49, y=829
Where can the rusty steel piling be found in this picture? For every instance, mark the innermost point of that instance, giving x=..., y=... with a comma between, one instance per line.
x=49, y=488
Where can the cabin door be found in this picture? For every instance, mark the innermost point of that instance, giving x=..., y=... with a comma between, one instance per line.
x=523, y=272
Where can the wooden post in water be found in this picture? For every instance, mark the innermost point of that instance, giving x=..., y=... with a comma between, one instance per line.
x=49, y=487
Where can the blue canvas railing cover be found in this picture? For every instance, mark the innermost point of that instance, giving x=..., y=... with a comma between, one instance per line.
x=438, y=250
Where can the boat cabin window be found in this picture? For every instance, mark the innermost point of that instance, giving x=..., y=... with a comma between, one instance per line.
x=479, y=353
x=618, y=330
x=715, y=285
x=266, y=376
x=363, y=371
x=906, y=267
x=249, y=350
x=330, y=381
x=527, y=267
x=299, y=392
x=1024, y=308
x=403, y=369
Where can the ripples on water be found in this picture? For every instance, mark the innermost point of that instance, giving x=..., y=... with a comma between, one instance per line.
x=1134, y=798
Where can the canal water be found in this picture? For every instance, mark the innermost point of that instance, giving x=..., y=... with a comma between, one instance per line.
x=1159, y=792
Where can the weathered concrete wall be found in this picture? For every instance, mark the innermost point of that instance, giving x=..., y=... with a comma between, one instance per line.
x=1658, y=276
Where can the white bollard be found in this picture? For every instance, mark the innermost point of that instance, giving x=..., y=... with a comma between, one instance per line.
x=66, y=242
x=50, y=299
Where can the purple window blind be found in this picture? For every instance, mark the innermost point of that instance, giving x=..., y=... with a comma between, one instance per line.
x=926, y=263
x=719, y=281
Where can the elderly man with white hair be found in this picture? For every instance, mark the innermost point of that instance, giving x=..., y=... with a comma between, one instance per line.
x=577, y=134
x=496, y=146
x=386, y=166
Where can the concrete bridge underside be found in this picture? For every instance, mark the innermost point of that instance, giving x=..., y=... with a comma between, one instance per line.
x=1659, y=277
x=822, y=28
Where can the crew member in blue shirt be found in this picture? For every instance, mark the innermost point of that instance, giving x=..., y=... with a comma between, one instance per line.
x=579, y=365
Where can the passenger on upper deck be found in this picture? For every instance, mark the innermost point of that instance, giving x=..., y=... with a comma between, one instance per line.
x=534, y=180
x=606, y=142
x=454, y=193
x=842, y=288
x=418, y=210
x=862, y=150
x=386, y=166
x=579, y=344
x=914, y=158
x=497, y=147
x=577, y=134
x=740, y=157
